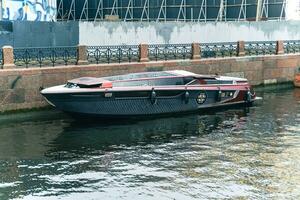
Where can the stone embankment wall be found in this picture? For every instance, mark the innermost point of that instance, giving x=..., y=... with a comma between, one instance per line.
x=20, y=87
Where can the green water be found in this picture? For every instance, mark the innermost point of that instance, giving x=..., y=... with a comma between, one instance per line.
x=236, y=154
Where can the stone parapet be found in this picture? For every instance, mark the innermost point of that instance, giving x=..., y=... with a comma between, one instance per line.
x=143, y=50
x=82, y=58
x=196, y=51
x=279, y=47
x=8, y=57
x=241, y=48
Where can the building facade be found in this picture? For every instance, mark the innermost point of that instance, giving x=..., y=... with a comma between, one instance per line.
x=28, y=10
x=149, y=10
x=171, y=10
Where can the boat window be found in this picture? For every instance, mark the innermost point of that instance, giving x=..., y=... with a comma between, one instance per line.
x=74, y=85
x=167, y=81
x=196, y=82
x=215, y=81
x=71, y=85
x=131, y=83
x=188, y=80
x=138, y=76
x=150, y=82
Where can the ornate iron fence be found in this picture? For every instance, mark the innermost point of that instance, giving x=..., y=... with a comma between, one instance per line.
x=223, y=49
x=169, y=51
x=45, y=56
x=53, y=56
x=291, y=46
x=260, y=48
x=109, y=54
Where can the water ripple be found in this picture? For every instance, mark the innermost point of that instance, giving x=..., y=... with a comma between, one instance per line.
x=232, y=154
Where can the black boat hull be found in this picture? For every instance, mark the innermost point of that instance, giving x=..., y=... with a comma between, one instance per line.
x=152, y=103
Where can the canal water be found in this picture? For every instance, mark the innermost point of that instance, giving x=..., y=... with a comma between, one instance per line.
x=237, y=154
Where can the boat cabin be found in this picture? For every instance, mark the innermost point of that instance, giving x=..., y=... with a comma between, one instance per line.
x=162, y=78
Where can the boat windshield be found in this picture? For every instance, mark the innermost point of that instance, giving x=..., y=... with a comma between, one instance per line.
x=138, y=76
x=154, y=82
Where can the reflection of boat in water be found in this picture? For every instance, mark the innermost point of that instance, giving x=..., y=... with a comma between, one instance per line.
x=148, y=93
x=95, y=136
x=35, y=134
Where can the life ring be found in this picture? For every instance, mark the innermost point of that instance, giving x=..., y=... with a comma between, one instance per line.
x=201, y=97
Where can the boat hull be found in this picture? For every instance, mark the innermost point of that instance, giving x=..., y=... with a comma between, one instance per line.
x=146, y=103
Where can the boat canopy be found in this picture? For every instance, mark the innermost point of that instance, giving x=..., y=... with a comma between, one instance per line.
x=175, y=77
x=142, y=75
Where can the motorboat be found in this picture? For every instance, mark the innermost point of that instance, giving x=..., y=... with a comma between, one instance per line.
x=149, y=93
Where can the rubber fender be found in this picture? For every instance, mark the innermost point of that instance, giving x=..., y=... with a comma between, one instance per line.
x=248, y=96
x=153, y=97
x=186, y=97
x=219, y=96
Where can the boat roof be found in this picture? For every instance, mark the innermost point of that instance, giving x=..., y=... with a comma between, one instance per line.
x=182, y=73
x=156, y=74
x=92, y=81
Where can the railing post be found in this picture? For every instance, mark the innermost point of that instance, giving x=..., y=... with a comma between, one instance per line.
x=196, y=51
x=143, y=50
x=8, y=57
x=82, y=58
x=240, y=48
x=279, y=47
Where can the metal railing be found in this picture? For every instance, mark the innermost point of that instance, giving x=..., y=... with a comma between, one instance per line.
x=223, y=49
x=169, y=51
x=110, y=54
x=291, y=46
x=45, y=56
x=256, y=48
x=54, y=56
